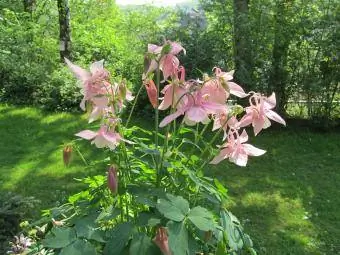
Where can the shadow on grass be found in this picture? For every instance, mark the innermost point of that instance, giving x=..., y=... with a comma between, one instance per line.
x=289, y=198
x=31, y=153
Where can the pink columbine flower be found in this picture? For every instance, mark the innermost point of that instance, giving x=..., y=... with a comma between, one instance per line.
x=226, y=80
x=168, y=62
x=93, y=82
x=104, y=137
x=236, y=149
x=259, y=112
x=196, y=109
x=161, y=240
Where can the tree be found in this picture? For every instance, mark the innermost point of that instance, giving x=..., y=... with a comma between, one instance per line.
x=242, y=44
x=64, y=29
x=279, y=75
x=29, y=5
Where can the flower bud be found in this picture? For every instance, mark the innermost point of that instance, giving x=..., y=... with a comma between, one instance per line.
x=161, y=240
x=67, y=154
x=122, y=90
x=152, y=92
x=112, y=179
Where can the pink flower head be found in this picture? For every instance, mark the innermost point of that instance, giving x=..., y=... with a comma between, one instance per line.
x=196, y=109
x=172, y=93
x=166, y=56
x=161, y=240
x=100, y=108
x=93, y=82
x=259, y=112
x=231, y=87
x=236, y=149
x=221, y=121
x=152, y=92
x=214, y=91
x=104, y=137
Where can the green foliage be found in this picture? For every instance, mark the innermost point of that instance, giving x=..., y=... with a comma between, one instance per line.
x=14, y=208
x=283, y=200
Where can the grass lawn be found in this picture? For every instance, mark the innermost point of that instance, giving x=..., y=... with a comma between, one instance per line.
x=288, y=200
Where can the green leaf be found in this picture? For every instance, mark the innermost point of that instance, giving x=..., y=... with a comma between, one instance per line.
x=173, y=208
x=59, y=237
x=178, y=238
x=220, y=187
x=201, y=218
x=79, y=247
x=184, y=130
x=87, y=227
x=232, y=230
x=142, y=244
x=147, y=219
x=108, y=213
x=119, y=236
x=221, y=248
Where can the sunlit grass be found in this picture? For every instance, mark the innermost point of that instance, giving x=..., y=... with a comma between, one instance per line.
x=288, y=200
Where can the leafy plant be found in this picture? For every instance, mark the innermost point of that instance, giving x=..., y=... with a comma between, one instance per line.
x=155, y=198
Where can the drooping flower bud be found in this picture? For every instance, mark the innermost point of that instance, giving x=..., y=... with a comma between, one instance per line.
x=161, y=240
x=152, y=92
x=122, y=90
x=112, y=179
x=67, y=154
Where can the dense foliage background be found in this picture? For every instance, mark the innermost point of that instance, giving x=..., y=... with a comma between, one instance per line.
x=287, y=46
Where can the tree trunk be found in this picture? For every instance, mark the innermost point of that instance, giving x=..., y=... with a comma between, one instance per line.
x=279, y=75
x=29, y=5
x=242, y=48
x=64, y=29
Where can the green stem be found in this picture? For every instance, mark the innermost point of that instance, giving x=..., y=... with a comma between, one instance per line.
x=133, y=106
x=158, y=177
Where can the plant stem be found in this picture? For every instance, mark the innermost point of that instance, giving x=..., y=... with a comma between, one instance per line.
x=133, y=106
x=158, y=177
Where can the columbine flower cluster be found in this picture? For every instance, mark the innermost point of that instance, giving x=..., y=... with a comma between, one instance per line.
x=199, y=101
x=202, y=101
x=106, y=100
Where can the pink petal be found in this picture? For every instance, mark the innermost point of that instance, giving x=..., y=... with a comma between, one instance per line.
x=153, y=48
x=214, y=108
x=258, y=124
x=168, y=64
x=100, y=142
x=223, y=154
x=95, y=114
x=236, y=90
x=176, y=48
x=196, y=114
x=246, y=120
x=87, y=134
x=100, y=102
x=244, y=136
x=79, y=72
x=170, y=118
x=274, y=116
x=271, y=101
x=97, y=66
x=252, y=150
x=82, y=104
x=153, y=66
x=167, y=100
x=240, y=159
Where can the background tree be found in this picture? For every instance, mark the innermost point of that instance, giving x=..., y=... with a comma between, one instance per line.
x=282, y=34
x=242, y=47
x=64, y=29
